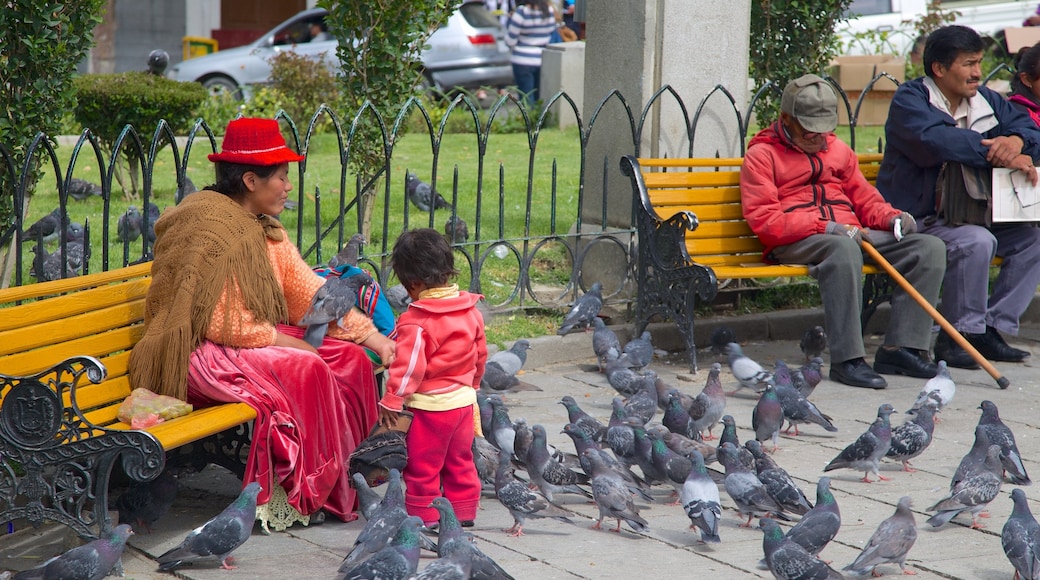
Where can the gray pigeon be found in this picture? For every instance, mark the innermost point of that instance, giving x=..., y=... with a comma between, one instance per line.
x=368, y=499
x=128, y=227
x=521, y=501
x=48, y=227
x=398, y=560
x=185, y=189
x=348, y=255
x=865, y=453
x=381, y=525
x=767, y=417
x=91, y=561
x=642, y=404
x=151, y=215
x=1000, y=434
x=450, y=540
x=1020, y=538
x=551, y=477
x=605, y=343
x=820, y=524
x=582, y=420
x=710, y=404
x=331, y=303
x=620, y=436
x=676, y=419
x=789, y=561
x=890, y=543
x=974, y=459
x=398, y=297
x=485, y=459
x=748, y=493
x=664, y=390
x=813, y=342
x=700, y=500
x=142, y=504
x=910, y=439
x=456, y=230
x=808, y=376
x=495, y=378
x=49, y=266
x=684, y=445
x=748, y=373
x=972, y=494
x=729, y=435
x=612, y=497
x=217, y=538
x=513, y=359
x=502, y=434
x=454, y=567
x=797, y=409
x=638, y=352
x=583, y=442
x=939, y=388
x=621, y=378
x=81, y=189
x=584, y=310
x=422, y=195
x=779, y=484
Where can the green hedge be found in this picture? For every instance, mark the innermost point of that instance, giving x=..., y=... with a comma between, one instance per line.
x=106, y=103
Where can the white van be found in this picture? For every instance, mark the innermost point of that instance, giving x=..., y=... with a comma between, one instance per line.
x=886, y=18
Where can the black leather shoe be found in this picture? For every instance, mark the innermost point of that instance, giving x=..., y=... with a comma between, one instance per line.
x=903, y=361
x=992, y=346
x=951, y=352
x=857, y=373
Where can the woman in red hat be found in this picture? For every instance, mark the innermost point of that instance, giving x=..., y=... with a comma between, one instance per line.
x=227, y=288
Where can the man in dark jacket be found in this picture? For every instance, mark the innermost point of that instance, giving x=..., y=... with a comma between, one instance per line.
x=804, y=196
x=947, y=119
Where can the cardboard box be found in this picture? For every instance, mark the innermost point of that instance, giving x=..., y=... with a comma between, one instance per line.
x=855, y=72
x=1021, y=37
x=873, y=111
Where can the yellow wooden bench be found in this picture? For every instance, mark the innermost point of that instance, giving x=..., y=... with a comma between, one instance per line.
x=692, y=234
x=59, y=434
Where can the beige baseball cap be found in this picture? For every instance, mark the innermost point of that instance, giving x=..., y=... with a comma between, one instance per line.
x=811, y=100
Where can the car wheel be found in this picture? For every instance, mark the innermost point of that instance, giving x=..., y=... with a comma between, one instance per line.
x=219, y=85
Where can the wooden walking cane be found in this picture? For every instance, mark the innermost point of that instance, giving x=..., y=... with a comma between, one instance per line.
x=948, y=328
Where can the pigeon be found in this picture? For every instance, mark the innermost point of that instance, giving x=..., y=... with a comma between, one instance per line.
x=184, y=189
x=612, y=498
x=451, y=540
x=456, y=230
x=422, y=195
x=820, y=524
x=49, y=266
x=813, y=342
x=742, y=485
x=720, y=338
x=583, y=442
x=797, y=409
x=684, y=445
x=522, y=442
x=779, y=484
x=485, y=459
x=890, y=543
x=972, y=494
x=217, y=538
x=676, y=419
x=622, y=378
x=495, y=378
x=48, y=227
x=582, y=420
x=331, y=303
x=912, y=437
x=664, y=390
x=522, y=502
x=974, y=459
x=381, y=526
x=1000, y=434
x=638, y=352
x=1020, y=538
x=868, y=449
x=398, y=297
x=512, y=360
x=941, y=385
x=502, y=433
x=700, y=500
x=142, y=504
x=729, y=435
x=91, y=561
x=643, y=402
x=605, y=343
x=674, y=467
x=151, y=215
x=585, y=309
x=710, y=404
x=748, y=373
x=454, y=567
x=768, y=416
x=789, y=561
x=808, y=376
x=368, y=499
x=620, y=436
x=550, y=476
x=81, y=189
x=128, y=228
x=348, y=255
x=398, y=560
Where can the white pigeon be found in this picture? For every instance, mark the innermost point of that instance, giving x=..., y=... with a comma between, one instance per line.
x=941, y=385
x=749, y=373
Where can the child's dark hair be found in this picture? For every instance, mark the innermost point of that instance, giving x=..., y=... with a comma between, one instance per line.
x=424, y=256
x=1027, y=61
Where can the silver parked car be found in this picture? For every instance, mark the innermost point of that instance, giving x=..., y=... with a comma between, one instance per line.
x=469, y=52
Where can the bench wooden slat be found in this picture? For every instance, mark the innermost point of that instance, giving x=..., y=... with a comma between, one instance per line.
x=705, y=197
x=98, y=345
x=691, y=179
x=61, y=308
x=84, y=325
x=199, y=424
x=41, y=289
x=648, y=162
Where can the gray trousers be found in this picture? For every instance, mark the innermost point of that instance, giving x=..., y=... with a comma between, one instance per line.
x=836, y=262
x=967, y=302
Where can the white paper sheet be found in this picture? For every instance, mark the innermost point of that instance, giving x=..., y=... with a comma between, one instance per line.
x=1014, y=198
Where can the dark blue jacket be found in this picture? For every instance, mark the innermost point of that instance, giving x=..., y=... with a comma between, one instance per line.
x=921, y=137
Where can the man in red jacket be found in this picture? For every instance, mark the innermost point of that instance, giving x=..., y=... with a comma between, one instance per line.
x=804, y=196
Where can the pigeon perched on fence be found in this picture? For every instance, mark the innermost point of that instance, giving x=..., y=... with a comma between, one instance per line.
x=398, y=560
x=217, y=538
x=91, y=561
x=48, y=227
x=456, y=230
x=142, y=504
x=128, y=227
x=890, y=543
x=331, y=303
x=910, y=439
x=605, y=343
x=348, y=255
x=867, y=450
x=971, y=494
x=1020, y=538
x=748, y=373
x=700, y=500
x=1000, y=434
x=521, y=501
x=939, y=390
x=81, y=189
x=422, y=195
x=584, y=310
x=813, y=342
x=612, y=497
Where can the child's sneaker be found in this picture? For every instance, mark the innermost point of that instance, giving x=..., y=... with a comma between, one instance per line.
x=466, y=523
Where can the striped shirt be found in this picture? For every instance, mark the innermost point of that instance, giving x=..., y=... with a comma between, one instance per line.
x=527, y=34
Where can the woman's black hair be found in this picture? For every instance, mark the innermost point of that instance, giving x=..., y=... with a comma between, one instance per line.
x=424, y=256
x=229, y=177
x=1026, y=61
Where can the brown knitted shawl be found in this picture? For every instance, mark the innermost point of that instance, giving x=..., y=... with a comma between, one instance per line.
x=203, y=246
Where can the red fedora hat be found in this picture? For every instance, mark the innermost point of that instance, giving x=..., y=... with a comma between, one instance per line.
x=252, y=141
